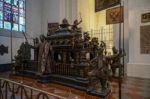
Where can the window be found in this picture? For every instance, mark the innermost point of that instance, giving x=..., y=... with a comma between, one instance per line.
x=12, y=15
x=105, y=33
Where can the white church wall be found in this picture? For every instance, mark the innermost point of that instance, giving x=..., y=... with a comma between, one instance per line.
x=56, y=10
x=33, y=29
x=50, y=13
x=139, y=64
x=86, y=8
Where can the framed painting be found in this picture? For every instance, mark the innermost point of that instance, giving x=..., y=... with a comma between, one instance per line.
x=145, y=39
x=104, y=4
x=114, y=15
x=145, y=17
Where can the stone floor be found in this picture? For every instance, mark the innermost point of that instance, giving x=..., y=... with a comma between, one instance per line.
x=132, y=88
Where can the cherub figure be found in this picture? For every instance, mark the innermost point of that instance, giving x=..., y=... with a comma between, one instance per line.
x=75, y=25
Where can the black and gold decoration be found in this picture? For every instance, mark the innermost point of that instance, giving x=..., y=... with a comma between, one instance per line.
x=3, y=49
x=104, y=4
x=114, y=15
x=145, y=17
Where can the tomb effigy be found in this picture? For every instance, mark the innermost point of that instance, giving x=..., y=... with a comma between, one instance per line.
x=70, y=58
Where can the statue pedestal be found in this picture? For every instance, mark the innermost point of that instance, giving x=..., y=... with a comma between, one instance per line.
x=46, y=78
x=99, y=93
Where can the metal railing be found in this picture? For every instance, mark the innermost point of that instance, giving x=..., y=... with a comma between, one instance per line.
x=14, y=90
x=64, y=69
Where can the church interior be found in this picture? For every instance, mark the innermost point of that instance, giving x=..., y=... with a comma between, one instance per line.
x=74, y=49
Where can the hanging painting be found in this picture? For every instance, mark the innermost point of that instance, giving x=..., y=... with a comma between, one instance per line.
x=145, y=39
x=114, y=15
x=104, y=4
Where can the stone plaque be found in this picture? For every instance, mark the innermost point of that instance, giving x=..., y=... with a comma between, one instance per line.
x=145, y=39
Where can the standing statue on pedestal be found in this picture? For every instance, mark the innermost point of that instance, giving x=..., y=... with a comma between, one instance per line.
x=99, y=73
x=44, y=56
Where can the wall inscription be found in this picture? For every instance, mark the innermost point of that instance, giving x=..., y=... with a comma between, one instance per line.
x=145, y=39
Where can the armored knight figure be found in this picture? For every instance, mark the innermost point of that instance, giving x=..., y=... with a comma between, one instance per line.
x=115, y=60
x=99, y=72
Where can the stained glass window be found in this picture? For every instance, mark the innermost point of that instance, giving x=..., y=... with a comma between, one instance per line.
x=15, y=18
x=7, y=25
x=22, y=12
x=1, y=15
x=22, y=21
x=7, y=1
x=22, y=4
x=15, y=2
x=15, y=27
x=12, y=15
x=1, y=24
x=22, y=28
x=1, y=6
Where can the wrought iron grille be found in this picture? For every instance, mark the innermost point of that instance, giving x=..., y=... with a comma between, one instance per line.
x=104, y=34
x=14, y=90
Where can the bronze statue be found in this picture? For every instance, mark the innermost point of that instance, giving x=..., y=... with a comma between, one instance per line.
x=86, y=39
x=103, y=47
x=99, y=72
x=75, y=25
x=23, y=57
x=36, y=50
x=115, y=60
x=44, y=56
x=18, y=58
x=94, y=43
x=65, y=24
x=73, y=59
